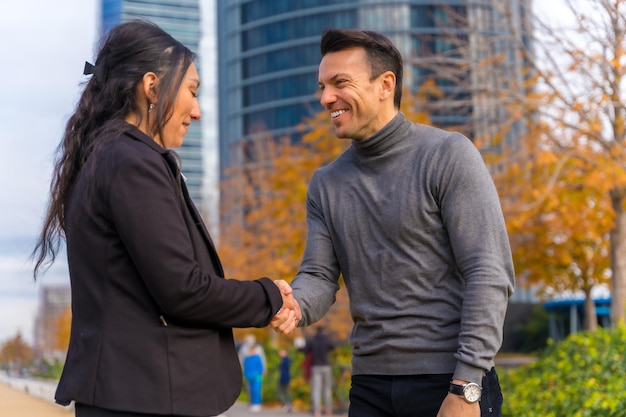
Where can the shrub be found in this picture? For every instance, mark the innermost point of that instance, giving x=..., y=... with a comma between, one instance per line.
x=583, y=376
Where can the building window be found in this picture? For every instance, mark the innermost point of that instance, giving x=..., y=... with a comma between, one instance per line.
x=295, y=28
x=278, y=118
x=282, y=60
x=281, y=88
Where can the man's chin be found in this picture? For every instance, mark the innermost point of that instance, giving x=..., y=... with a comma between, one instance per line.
x=341, y=134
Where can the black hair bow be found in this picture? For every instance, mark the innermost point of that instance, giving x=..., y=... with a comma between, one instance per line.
x=96, y=70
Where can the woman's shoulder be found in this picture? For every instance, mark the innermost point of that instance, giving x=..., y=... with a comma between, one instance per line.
x=128, y=143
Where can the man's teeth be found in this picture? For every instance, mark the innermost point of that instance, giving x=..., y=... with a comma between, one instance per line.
x=337, y=113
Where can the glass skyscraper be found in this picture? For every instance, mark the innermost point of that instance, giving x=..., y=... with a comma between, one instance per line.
x=268, y=57
x=181, y=19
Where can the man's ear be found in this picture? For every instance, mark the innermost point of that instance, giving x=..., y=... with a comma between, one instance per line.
x=150, y=81
x=388, y=85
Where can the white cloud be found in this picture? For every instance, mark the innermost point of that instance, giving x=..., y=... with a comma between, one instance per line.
x=17, y=315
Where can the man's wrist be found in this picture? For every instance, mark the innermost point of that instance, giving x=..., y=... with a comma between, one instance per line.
x=471, y=392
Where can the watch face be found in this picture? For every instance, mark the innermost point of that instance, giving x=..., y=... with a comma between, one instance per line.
x=472, y=392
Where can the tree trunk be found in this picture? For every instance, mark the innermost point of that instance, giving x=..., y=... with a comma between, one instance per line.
x=618, y=259
x=591, y=318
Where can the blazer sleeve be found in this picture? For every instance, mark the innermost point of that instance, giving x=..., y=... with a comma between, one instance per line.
x=146, y=210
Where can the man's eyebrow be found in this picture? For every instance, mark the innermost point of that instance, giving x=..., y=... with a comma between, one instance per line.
x=339, y=75
x=335, y=77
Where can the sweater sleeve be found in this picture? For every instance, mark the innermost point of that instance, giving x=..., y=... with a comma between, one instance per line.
x=472, y=214
x=316, y=283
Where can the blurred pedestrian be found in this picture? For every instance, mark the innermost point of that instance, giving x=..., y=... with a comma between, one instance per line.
x=244, y=349
x=253, y=370
x=319, y=347
x=284, y=380
x=249, y=342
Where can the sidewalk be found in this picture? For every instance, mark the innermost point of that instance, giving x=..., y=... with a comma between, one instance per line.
x=21, y=397
x=17, y=403
x=241, y=410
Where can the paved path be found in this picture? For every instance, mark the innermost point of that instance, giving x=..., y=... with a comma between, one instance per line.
x=30, y=398
x=16, y=403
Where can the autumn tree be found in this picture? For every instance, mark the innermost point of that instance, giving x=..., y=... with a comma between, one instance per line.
x=548, y=114
x=15, y=352
x=559, y=225
x=579, y=68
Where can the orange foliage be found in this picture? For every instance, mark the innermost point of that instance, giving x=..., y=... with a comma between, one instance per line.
x=564, y=189
x=558, y=214
x=15, y=352
x=62, y=328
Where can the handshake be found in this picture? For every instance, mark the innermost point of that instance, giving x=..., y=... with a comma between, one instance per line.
x=289, y=315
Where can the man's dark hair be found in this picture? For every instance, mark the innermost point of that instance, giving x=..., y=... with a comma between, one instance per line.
x=381, y=53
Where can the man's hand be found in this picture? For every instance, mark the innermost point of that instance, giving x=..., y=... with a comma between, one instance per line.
x=287, y=318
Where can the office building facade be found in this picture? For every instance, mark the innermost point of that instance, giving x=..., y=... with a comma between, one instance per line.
x=54, y=304
x=182, y=20
x=268, y=57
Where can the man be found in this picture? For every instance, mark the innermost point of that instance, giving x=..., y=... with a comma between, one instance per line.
x=410, y=217
x=319, y=347
x=284, y=380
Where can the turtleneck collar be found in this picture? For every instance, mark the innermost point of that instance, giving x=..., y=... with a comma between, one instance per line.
x=381, y=141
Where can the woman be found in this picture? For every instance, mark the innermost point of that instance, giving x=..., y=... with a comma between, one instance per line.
x=152, y=313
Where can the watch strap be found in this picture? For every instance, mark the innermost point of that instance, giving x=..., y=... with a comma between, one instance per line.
x=456, y=389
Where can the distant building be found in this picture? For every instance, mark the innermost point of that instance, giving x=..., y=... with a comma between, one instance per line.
x=54, y=302
x=182, y=20
x=268, y=57
x=567, y=315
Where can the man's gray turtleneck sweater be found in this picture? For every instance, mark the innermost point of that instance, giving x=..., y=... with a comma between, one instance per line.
x=411, y=218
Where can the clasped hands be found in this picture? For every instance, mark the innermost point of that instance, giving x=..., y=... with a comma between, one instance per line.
x=287, y=318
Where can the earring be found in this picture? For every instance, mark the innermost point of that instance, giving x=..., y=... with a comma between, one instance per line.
x=150, y=107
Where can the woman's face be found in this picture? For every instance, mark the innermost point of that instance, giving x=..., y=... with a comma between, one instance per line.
x=186, y=108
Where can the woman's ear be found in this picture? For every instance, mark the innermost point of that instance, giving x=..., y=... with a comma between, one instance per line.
x=150, y=81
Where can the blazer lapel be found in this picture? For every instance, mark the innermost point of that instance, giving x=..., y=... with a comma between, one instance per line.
x=191, y=207
x=200, y=224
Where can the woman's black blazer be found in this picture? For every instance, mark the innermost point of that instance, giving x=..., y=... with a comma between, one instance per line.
x=151, y=311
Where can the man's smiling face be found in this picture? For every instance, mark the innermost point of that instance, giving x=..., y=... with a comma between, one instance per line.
x=350, y=95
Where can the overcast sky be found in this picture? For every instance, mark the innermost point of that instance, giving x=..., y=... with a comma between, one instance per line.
x=44, y=46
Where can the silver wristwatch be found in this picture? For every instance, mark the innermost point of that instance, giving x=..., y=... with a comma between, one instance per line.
x=470, y=392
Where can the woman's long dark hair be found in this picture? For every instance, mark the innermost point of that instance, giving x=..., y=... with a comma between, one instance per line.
x=128, y=52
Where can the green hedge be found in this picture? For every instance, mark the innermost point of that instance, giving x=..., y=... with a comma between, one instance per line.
x=583, y=376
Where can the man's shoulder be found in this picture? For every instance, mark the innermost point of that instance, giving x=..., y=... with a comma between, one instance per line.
x=433, y=134
x=431, y=141
x=336, y=167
